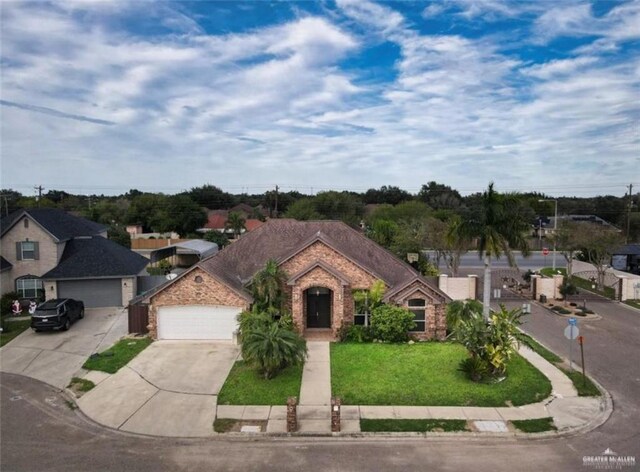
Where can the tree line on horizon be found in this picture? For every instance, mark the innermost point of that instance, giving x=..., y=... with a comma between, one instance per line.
x=379, y=209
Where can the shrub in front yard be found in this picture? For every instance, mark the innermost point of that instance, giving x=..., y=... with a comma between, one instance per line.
x=272, y=348
x=357, y=334
x=491, y=343
x=391, y=323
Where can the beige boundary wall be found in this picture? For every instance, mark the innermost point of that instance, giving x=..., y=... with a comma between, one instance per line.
x=459, y=288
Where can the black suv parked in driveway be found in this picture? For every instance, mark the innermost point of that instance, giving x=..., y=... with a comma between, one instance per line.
x=57, y=314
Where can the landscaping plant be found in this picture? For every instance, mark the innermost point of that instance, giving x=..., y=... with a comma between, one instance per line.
x=391, y=323
x=272, y=348
x=490, y=343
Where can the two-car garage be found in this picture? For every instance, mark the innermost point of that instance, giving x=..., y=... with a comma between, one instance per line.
x=211, y=322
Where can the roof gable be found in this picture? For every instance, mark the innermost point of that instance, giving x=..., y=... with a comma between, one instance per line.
x=61, y=225
x=319, y=264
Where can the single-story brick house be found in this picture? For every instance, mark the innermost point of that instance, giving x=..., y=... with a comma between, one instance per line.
x=325, y=261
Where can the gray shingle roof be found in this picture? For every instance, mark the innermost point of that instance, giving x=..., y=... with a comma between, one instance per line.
x=59, y=223
x=5, y=264
x=96, y=257
x=280, y=239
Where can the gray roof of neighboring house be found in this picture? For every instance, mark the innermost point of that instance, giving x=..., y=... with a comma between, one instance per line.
x=628, y=250
x=280, y=239
x=203, y=248
x=59, y=223
x=96, y=257
x=5, y=264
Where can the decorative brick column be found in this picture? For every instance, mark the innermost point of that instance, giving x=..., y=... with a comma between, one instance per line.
x=335, y=414
x=292, y=414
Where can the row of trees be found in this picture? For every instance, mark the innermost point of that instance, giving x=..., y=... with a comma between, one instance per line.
x=347, y=206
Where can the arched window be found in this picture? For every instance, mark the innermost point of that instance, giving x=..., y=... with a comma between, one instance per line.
x=29, y=287
x=418, y=306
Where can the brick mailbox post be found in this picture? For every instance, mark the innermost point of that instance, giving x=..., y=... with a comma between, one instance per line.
x=335, y=414
x=292, y=415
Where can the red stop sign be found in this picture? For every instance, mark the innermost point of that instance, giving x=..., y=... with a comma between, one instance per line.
x=545, y=251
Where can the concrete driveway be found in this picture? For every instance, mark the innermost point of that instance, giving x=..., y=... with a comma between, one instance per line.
x=170, y=389
x=56, y=356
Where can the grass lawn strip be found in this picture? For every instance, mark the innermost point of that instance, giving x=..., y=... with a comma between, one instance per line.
x=538, y=425
x=118, y=355
x=633, y=303
x=585, y=387
x=426, y=374
x=12, y=328
x=420, y=426
x=245, y=387
x=541, y=350
x=80, y=385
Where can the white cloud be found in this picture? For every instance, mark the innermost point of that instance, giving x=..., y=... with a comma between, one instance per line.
x=273, y=105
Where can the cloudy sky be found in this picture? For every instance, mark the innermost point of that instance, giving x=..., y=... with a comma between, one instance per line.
x=105, y=96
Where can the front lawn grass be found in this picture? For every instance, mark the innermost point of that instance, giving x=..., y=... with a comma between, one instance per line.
x=118, y=355
x=538, y=425
x=420, y=426
x=12, y=328
x=245, y=387
x=425, y=374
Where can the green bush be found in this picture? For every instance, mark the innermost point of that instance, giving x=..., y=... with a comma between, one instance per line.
x=358, y=334
x=475, y=368
x=391, y=323
x=272, y=348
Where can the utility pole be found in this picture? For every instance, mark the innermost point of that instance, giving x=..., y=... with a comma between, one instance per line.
x=275, y=212
x=626, y=239
x=6, y=205
x=39, y=188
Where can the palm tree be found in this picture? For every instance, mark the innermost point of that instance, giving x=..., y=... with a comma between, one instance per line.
x=235, y=222
x=272, y=348
x=266, y=287
x=498, y=228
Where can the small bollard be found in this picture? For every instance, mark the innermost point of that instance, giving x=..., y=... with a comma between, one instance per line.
x=292, y=414
x=335, y=414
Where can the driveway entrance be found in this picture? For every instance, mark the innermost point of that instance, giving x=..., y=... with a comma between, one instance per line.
x=169, y=389
x=56, y=356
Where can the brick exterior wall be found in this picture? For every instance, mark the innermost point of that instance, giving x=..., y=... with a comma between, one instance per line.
x=341, y=297
x=435, y=314
x=187, y=291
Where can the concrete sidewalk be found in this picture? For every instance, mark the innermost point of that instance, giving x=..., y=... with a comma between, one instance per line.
x=568, y=410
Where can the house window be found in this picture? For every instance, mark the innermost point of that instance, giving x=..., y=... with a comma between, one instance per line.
x=418, y=306
x=28, y=250
x=29, y=287
x=26, y=222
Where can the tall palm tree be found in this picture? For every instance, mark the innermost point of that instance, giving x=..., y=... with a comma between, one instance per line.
x=499, y=228
x=235, y=222
x=267, y=287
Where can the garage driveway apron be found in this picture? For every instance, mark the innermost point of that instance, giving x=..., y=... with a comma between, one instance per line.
x=170, y=389
x=56, y=356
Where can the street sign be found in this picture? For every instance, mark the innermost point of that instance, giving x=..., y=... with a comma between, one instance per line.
x=573, y=321
x=545, y=251
x=571, y=332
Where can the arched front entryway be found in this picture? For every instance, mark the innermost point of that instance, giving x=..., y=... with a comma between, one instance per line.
x=318, y=307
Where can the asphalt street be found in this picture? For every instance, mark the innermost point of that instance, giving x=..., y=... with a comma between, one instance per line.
x=535, y=260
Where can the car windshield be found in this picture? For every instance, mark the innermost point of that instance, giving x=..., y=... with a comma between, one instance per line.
x=47, y=308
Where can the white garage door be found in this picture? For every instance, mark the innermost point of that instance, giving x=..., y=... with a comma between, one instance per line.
x=197, y=322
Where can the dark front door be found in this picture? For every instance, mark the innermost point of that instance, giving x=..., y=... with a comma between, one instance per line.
x=318, y=310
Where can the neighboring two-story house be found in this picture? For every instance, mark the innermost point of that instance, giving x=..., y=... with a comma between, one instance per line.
x=49, y=253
